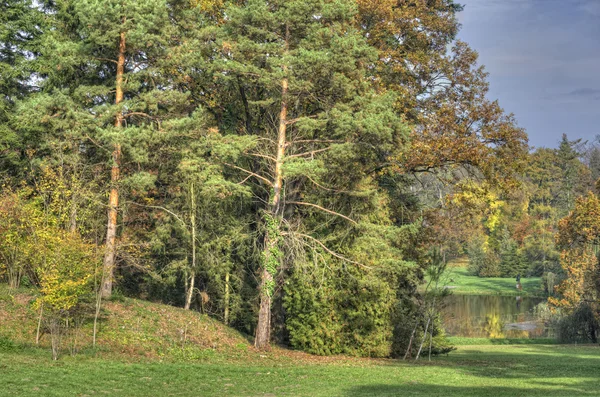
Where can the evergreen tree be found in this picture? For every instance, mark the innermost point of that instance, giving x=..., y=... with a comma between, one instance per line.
x=573, y=177
x=511, y=263
x=21, y=25
x=107, y=87
x=594, y=163
x=307, y=110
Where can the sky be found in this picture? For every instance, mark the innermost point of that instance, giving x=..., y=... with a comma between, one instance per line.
x=543, y=57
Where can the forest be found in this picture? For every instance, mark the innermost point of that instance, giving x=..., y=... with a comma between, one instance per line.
x=299, y=170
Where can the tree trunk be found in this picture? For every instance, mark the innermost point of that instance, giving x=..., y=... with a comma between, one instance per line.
x=108, y=266
x=39, y=326
x=73, y=217
x=263, y=329
x=190, y=290
x=189, y=294
x=424, y=338
x=226, y=303
x=410, y=342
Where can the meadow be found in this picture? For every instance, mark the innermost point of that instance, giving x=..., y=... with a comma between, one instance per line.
x=147, y=349
x=493, y=370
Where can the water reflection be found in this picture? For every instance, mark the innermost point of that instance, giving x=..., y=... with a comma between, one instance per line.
x=493, y=317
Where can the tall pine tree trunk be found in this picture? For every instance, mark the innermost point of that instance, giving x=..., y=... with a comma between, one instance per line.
x=108, y=266
x=263, y=329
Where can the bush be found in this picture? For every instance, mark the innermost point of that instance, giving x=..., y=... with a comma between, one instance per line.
x=66, y=274
x=19, y=220
x=581, y=326
x=344, y=311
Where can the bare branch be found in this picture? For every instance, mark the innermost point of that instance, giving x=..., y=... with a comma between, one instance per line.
x=323, y=209
x=315, y=141
x=97, y=144
x=158, y=208
x=244, y=180
x=263, y=156
x=332, y=253
x=138, y=114
x=106, y=59
x=326, y=188
x=311, y=153
x=293, y=121
x=262, y=178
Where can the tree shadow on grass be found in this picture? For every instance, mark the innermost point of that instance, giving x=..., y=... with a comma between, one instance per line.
x=526, y=362
x=526, y=370
x=585, y=388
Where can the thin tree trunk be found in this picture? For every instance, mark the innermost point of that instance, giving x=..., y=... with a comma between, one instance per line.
x=96, y=315
x=108, y=267
x=190, y=291
x=37, y=335
x=73, y=217
x=424, y=337
x=430, y=342
x=412, y=337
x=263, y=329
x=226, y=313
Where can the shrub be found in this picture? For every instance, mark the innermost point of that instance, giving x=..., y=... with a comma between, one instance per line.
x=580, y=326
x=19, y=220
x=66, y=282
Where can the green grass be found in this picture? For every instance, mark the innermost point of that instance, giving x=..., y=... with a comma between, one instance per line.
x=462, y=283
x=523, y=370
x=468, y=341
x=141, y=352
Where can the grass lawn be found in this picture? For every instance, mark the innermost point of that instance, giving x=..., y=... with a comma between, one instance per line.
x=462, y=283
x=515, y=370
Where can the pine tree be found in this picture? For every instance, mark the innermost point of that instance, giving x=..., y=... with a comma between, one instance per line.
x=21, y=25
x=306, y=108
x=107, y=87
x=594, y=163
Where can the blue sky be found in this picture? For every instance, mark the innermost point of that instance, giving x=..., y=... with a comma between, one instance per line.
x=543, y=57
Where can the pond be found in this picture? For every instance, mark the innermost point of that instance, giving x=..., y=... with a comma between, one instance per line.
x=482, y=316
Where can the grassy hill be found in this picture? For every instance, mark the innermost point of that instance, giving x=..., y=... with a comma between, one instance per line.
x=129, y=326
x=134, y=330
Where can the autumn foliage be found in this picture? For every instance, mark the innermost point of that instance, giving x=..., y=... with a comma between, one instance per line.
x=578, y=239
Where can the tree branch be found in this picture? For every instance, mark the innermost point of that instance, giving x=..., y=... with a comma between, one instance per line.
x=328, y=189
x=311, y=153
x=262, y=178
x=97, y=144
x=158, y=208
x=293, y=121
x=332, y=253
x=315, y=141
x=323, y=209
x=263, y=156
x=106, y=59
x=138, y=114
